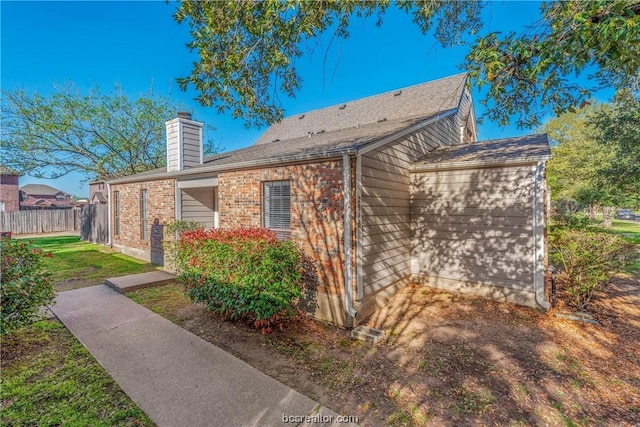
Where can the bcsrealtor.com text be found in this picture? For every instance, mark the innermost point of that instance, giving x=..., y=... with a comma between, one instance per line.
x=319, y=419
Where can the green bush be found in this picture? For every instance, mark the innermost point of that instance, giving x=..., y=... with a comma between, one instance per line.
x=172, y=233
x=24, y=286
x=587, y=259
x=243, y=274
x=568, y=212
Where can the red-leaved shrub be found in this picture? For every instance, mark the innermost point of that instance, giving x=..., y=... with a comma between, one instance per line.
x=245, y=273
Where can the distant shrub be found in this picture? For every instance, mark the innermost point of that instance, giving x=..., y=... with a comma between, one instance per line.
x=244, y=274
x=587, y=259
x=24, y=286
x=568, y=212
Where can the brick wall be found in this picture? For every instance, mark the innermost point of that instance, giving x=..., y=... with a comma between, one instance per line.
x=160, y=211
x=317, y=207
x=9, y=192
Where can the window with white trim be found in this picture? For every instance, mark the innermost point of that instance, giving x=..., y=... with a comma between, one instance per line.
x=276, y=207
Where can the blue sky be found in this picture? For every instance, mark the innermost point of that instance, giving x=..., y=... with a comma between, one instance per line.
x=139, y=45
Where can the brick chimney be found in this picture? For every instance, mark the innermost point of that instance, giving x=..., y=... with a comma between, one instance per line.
x=184, y=143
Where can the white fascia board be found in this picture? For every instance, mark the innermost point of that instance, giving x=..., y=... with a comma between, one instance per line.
x=359, y=261
x=396, y=135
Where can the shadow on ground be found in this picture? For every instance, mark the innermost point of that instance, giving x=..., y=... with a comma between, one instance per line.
x=450, y=359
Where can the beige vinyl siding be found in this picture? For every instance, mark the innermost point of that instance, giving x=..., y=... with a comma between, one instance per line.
x=474, y=226
x=191, y=145
x=198, y=204
x=385, y=235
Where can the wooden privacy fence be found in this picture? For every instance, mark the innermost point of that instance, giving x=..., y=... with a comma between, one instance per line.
x=40, y=221
x=95, y=223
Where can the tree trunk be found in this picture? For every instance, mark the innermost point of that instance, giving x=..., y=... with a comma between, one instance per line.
x=607, y=212
x=592, y=209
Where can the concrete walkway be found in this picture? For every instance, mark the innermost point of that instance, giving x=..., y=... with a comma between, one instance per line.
x=175, y=377
x=133, y=282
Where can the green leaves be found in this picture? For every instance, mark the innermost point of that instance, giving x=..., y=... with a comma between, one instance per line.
x=247, y=51
x=619, y=133
x=587, y=259
x=24, y=285
x=100, y=135
x=577, y=157
x=244, y=274
x=533, y=74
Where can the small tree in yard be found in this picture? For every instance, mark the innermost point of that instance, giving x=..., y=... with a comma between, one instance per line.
x=587, y=259
x=25, y=287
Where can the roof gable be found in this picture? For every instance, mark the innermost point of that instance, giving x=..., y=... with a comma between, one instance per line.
x=425, y=99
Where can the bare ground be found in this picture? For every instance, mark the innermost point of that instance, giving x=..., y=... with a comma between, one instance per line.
x=449, y=359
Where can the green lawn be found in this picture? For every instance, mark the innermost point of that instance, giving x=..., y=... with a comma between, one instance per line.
x=76, y=264
x=49, y=378
x=631, y=231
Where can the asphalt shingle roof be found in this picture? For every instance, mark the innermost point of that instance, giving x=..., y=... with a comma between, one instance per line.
x=340, y=128
x=326, y=142
x=425, y=99
x=40, y=190
x=101, y=197
x=524, y=148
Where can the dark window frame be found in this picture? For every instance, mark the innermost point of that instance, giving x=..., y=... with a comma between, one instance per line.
x=116, y=215
x=276, y=207
x=144, y=208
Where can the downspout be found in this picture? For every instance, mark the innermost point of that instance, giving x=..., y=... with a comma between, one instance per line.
x=109, y=243
x=359, y=287
x=348, y=271
x=538, y=235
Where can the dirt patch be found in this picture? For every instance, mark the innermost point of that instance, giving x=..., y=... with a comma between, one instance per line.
x=451, y=359
x=77, y=282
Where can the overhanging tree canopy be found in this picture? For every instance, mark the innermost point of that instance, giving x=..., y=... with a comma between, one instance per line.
x=248, y=51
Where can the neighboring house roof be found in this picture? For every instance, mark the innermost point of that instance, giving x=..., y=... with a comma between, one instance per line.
x=524, y=149
x=40, y=202
x=335, y=130
x=40, y=190
x=8, y=171
x=101, y=197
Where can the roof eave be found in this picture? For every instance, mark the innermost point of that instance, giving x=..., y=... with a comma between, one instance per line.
x=475, y=164
x=299, y=158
